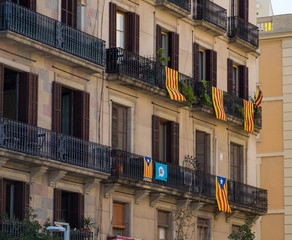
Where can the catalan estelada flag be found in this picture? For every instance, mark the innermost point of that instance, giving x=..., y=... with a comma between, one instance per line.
x=221, y=194
x=217, y=96
x=172, y=85
x=258, y=99
x=249, y=120
x=147, y=169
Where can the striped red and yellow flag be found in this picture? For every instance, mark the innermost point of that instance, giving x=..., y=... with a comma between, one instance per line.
x=258, y=99
x=222, y=195
x=172, y=85
x=249, y=120
x=147, y=169
x=217, y=96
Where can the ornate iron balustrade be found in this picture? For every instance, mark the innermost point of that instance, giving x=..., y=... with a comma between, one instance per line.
x=10, y=228
x=80, y=235
x=231, y=103
x=185, y=4
x=246, y=31
x=130, y=166
x=21, y=137
x=36, y=26
x=138, y=67
x=210, y=12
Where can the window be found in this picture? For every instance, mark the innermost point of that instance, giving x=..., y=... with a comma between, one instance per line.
x=235, y=81
x=119, y=127
x=240, y=8
x=165, y=140
x=70, y=111
x=163, y=225
x=236, y=162
x=18, y=95
x=124, y=29
x=119, y=226
x=14, y=198
x=201, y=65
x=203, y=229
x=235, y=7
x=69, y=12
x=69, y=207
x=120, y=30
x=164, y=41
x=203, y=151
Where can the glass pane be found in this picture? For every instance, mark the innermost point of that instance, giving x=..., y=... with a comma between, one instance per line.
x=66, y=113
x=10, y=79
x=201, y=66
x=164, y=46
x=162, y=233
x=162, y=142
x=117, y=232
x=120, y=22
x=120, y=39
x=9, y=200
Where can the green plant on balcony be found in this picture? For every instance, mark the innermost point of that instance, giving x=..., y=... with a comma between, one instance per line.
x=88, y=223
x=204, y=97
x=188, y=93
x=234, y=31
x=244, y=232
x=162, y=59
x=241, y=110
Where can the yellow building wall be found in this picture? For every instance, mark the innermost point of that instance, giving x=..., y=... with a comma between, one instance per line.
x=273, y=226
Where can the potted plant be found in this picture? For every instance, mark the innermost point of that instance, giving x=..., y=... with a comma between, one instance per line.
x=88, y=224
x=188, y=93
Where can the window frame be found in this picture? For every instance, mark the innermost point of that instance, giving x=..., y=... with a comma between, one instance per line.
x=121, y=227
x=204, y=227
x=205, y=149
x=123, y=14
x=202, y=64
x=241, y=168
x=164, y=225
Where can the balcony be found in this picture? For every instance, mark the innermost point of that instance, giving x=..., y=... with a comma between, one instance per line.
x=128, y=169
x=47, y=145
x=47, y=32
x=231, y=104
x=180, y=8
x=210, y=16
x=243, y=34
x=143, y=74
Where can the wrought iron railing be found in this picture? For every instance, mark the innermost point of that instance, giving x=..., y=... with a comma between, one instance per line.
x=36, y=26
x=10, y=228
x=44, y=143
x=237, y=27
x=185, y=4
x=210, y=12
x=138, y=67
x=232, y=104
x=81, y=235
x=130, y=166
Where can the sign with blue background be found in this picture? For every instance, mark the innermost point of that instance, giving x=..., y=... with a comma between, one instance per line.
x=161, y=172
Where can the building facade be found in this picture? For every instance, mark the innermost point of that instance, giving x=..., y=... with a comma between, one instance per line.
x=274, y=142
x=83, y=100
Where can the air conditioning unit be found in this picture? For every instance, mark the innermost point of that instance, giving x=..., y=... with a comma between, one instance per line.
x=121, y=238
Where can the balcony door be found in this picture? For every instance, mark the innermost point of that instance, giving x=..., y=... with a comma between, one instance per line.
x=31, y=4
x=236, y=162
x=69, y=12
x=240, y=8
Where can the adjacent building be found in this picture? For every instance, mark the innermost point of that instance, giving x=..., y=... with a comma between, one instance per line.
x=83, y=100
x=274, y=141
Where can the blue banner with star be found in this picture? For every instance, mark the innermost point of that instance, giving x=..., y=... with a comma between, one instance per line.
x=161, y=172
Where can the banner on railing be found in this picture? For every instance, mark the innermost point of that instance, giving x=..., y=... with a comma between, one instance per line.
x=217, y=96
x=222, y=194
x=258, y=99
x=147, y=169
x=161, y=172
x=172, y=85
x=249, y=119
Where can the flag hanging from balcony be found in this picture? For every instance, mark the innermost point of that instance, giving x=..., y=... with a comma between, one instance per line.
x=147, y=169
x=217, y=96
x=222, y=195
x=258, y=99
x=172, y=85
x=248, y=121
x=161, y=171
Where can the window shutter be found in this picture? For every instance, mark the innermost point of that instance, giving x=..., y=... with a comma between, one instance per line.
x=32, y=99
x=112, y=25
x=207, y=153
x=133, y=31
x=243, y=9
x=1, y=88
x=196, y=62
x=25, y=198
x=80, y=213
x=211, y=67
x=114, y=126
x=172, y=142
x=155, y=137
x=174, y=50
x=243, y=81
x=57, y=107
x=246, y=10
x=85, y=115
x=1, y=197
x=32, y=5
x=57, y=204
x=158, y=40
x=23, y=97
x=229, y=75
x=203, y=151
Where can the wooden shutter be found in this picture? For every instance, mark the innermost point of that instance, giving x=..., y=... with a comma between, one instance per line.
x=172, y=144
x=158, y=40
x=57, y=204
x=132, y=32
x=23, y=97
x=203, y=150
x=211, y=67
x=155, y=137
x=25, y=198
x=112, y=25
x=32, y=99
x=229, y=75
x=32, y=5
x=196, y=62
x=1, y=88
x=174, y=50
x=243, y=82
x=115, y=133
x=80, y=211
x=243, y=9
x=1, y=197
x=57, y=107
x=69, y=12
x=118, y=215
x=246, y=4
x=85, y=116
